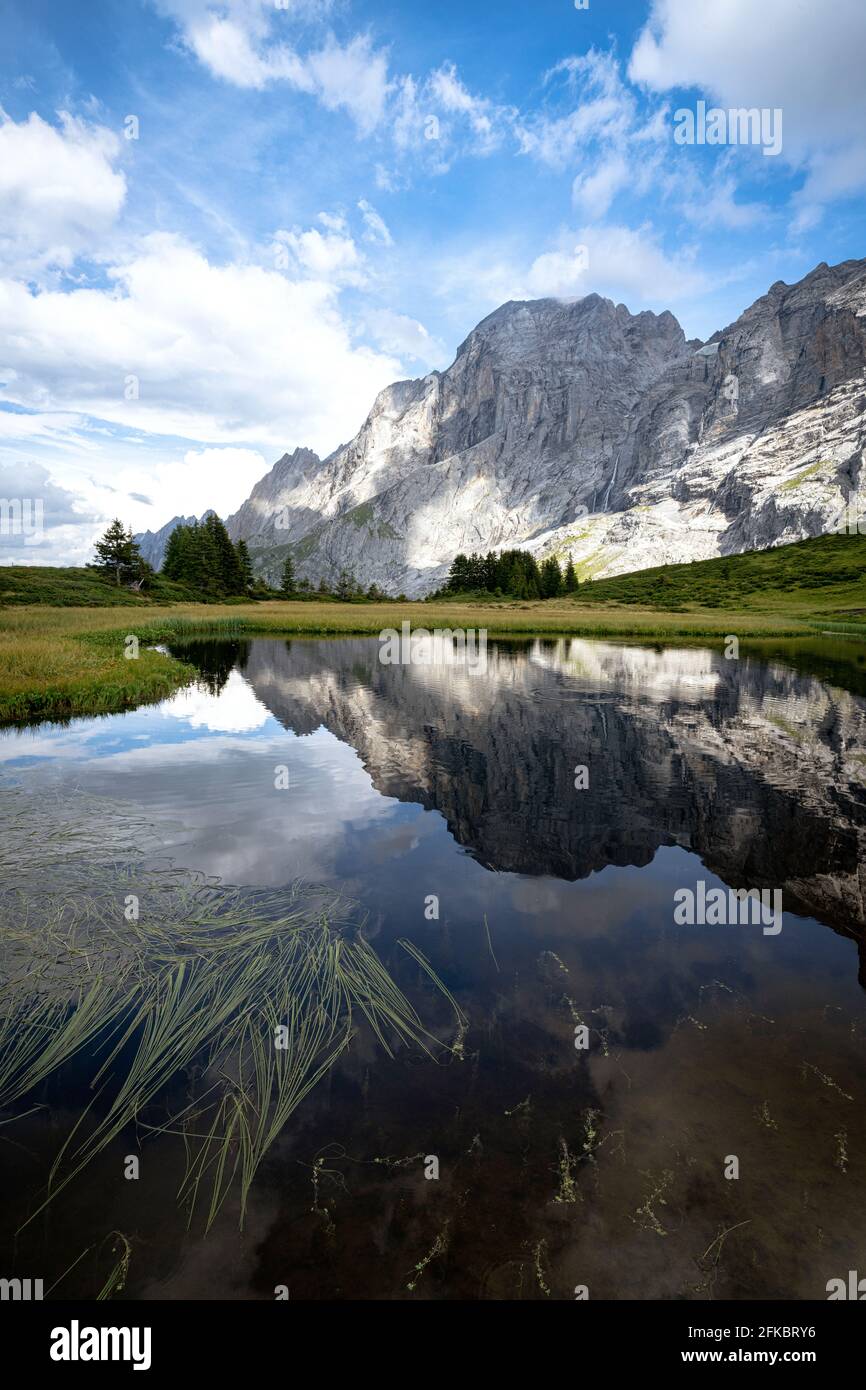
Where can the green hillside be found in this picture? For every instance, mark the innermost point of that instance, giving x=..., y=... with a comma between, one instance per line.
x=829, y=572
x=80, y=588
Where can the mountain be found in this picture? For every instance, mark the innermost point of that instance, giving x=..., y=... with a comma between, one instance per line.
x=582, y=429
x=152, y=543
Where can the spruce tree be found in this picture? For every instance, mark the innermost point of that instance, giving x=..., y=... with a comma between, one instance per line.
x=570, y=577
x=347, y=586
x=204, y=562
x=245, y=566
x=288, y=586
x=179, y=562
x=117, y=552
x=551, y=578
x=221, y=559
x=458, y=576
x=490, y=567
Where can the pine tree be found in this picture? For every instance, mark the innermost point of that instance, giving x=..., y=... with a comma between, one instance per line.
x=551, y=578
x=171, y=563
x=287, y=582
x=245, y=565
x=117, y=552
x=180, y=563
x=347, y=586
x=476, y=571
x=570, y=577
x=224, y=573
x=458, y=575
x=491, y=561
x=204, y=562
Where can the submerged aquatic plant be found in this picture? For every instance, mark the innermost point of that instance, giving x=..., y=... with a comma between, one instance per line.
x=251, y=995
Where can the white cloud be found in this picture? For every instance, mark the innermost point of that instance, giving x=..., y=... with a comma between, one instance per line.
x=483, y=117
x=225, y=47
x=625, y=264
x=333, y=222
x=713, y=203
x=232, y=354
x=353, y=78
x=333, y=258
x=59, y=190
x=218, y=478
x=802, y=58
x=405, y=337
x=604, y=111
x=623, y=148
x=41, y=522
x=435, y=120
x=377, y=229
x=49, y=427
x=628, y=261
x=242, y=42
x=36, y=515
x=594, y=192
x=559, y=274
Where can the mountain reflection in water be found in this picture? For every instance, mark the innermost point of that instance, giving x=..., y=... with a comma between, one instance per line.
x=558, y=1167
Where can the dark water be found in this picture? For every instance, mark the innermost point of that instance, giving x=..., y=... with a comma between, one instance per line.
x=428, y=789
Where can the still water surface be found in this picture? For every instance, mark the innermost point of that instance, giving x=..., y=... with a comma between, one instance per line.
x=437, y=789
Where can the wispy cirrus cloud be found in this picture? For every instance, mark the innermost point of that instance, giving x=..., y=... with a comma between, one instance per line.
x=805, y=59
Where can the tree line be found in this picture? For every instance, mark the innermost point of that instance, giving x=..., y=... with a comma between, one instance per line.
x=203, y=558
x=513, y=573
x=347, y=588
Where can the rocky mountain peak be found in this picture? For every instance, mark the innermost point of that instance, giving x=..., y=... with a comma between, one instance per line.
x=578, y=428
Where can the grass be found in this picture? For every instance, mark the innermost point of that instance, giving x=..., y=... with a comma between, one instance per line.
x=57, y=662
x=250, y=996
x=811, y=472
x=825, y=574
x=80, y=588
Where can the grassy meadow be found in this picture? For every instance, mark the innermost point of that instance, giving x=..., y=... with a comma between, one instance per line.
x=59, y=659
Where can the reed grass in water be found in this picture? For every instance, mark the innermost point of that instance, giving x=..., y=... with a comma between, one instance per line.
x=250, y=996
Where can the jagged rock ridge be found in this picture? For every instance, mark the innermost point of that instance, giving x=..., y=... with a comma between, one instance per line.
x=582, y=429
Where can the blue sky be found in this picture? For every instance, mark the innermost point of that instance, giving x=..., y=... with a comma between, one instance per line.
x=320, y=198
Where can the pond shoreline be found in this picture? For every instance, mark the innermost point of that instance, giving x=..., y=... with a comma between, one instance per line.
x=59, y=663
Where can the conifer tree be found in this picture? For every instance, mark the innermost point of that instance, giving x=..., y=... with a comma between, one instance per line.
x=224, y=575
x=458, y=576
x=245, y=565
x=347, y=585
x=117, y=553
x=288, y=586
x=551, y=578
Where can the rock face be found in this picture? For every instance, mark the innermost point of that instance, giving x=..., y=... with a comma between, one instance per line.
x=581, y=429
